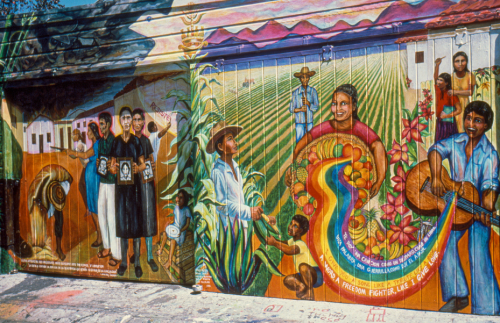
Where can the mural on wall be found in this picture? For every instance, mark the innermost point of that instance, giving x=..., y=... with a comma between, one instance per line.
x=347, y=207
x=365, y=172
x=94, y=182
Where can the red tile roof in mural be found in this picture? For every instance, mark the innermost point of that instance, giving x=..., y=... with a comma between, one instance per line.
x=467, y=12
x=412, y=36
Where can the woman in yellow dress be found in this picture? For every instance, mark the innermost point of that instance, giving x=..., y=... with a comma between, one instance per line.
x=463, y=83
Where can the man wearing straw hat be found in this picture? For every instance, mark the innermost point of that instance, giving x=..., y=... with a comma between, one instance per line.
x=227, y=177
x=304, y=103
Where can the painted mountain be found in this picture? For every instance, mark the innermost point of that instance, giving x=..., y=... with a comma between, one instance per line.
x=273, y=31
x=401, y=10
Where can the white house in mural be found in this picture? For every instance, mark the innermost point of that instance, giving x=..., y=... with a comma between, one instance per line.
x=82, y=120
x=62, y=134
x=40, y=135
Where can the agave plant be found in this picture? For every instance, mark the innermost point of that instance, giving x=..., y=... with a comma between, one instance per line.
x=231, y=262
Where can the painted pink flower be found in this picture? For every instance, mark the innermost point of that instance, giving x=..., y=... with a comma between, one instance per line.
x=412, y=129
x=403, y=232
x=426, y=92
x=422, y=104
x=426, y=113
x=399, y=179
x=394, y=206
x=398, y=153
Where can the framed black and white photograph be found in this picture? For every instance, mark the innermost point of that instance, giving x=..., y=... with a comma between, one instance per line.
x=148, y=174
x=125, y=172
x=102, y=168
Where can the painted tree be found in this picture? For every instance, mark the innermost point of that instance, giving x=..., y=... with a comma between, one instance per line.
x=16, y=6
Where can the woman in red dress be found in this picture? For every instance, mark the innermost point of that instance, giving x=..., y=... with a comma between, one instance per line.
x=345, y=120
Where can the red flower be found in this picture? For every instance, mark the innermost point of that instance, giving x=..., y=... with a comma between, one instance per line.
x=394, y=206
x=398, y=153
x=400, y=179
x=412, y=130
x=426, y=113
x=426, y=92
x=408, y=82
x=403, y=232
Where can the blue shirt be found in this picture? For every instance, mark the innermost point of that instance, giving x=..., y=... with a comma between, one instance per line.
x=296, y=103
x=482, y=168
x=230, y=192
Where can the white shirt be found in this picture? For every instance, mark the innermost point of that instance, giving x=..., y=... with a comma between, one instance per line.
x=81, y=147
x=155, y=142
x=230, y=192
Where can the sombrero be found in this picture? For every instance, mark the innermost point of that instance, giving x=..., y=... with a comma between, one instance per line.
x=218, y=131
x=56, y=195
x=304, y=71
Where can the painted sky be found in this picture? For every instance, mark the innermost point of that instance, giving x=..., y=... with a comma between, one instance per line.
x=73, y=3
x=321, y=13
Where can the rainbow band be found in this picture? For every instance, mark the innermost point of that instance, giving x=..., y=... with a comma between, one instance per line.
x=345, y=270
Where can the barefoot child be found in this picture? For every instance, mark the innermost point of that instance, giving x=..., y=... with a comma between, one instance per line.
x=308, y=274
x=176, y=232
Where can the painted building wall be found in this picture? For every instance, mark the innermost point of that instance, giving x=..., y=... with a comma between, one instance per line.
x=40, y=135
x=337, y=206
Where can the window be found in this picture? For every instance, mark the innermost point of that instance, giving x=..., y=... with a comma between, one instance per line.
x=419, y=57
x=78, y=125
x=84, y=124
x=49, y=138
x=33, y=139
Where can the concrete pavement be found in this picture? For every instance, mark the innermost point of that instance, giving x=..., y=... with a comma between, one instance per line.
x=34, y=298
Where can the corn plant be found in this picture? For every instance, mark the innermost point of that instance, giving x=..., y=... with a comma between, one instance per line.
x=227, y=254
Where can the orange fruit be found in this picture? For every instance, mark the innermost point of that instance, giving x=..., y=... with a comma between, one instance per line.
x=313, y=149
x=361, y=219
x=357, y=165
x=315, y=204
x=368, y=185
x=368, y=165
x=361, y=182
x=303, y=200
x=365, y=174
x=347, y=178
x=372, y=242
x=298, y=187
x=347, y=150
x=362, y=194
x=389, y=234
x=356, y=154
x=359, y=204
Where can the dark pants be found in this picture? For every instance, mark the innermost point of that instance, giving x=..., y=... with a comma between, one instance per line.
x=58, y=225
x=137, y=250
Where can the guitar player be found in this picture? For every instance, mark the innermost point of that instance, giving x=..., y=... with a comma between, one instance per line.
x=472, y=158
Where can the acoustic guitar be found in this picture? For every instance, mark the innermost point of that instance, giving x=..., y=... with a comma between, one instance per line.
x=420, y=199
